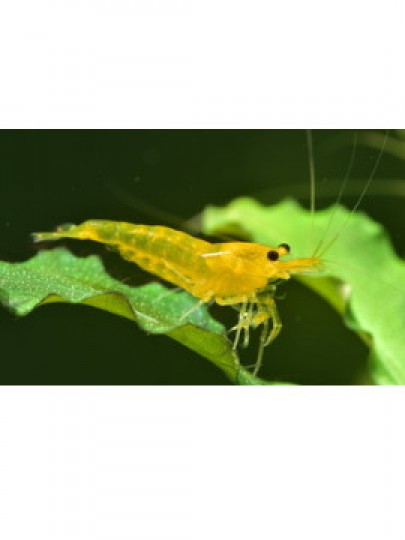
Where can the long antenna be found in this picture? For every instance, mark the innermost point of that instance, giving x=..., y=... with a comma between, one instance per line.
x=311, y=169
x=311, y=164
x=340, y=195
x=359, y=200
x=372, y=173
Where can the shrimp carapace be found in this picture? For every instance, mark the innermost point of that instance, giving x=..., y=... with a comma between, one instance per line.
x=229, y=273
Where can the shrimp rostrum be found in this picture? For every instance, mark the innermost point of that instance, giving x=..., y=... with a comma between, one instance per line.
x=239, y=274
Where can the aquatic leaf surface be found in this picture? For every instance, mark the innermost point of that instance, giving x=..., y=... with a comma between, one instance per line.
x=59, y=276
x=360, y=257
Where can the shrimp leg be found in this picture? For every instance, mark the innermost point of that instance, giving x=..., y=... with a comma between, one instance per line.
x=269, y=311
x=242, y=325
x=266, y=309
x=194, y=307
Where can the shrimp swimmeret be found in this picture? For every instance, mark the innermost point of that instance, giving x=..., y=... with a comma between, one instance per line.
x=231, y=273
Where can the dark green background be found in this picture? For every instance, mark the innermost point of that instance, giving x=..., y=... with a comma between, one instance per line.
x=52, y=177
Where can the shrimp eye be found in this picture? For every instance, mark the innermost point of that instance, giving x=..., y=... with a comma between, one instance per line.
x=285, y=247
x=272, y=255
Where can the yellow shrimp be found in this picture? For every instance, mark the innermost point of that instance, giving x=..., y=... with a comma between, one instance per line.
x=238, y=274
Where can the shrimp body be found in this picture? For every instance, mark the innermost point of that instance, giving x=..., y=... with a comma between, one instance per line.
x=229, y=273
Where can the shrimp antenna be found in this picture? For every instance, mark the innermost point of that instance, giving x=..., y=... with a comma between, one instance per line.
x=359, y=200
x=311, y=164
x=339, y=197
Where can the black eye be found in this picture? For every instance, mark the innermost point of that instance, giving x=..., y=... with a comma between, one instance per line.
x=272, y=255
x=286, y=247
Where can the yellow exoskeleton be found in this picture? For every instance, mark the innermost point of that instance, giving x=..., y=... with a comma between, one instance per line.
x=231, y=273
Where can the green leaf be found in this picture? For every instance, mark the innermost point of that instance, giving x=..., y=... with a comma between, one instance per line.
x=59, y=276
x=362, y=257
x=246, y=378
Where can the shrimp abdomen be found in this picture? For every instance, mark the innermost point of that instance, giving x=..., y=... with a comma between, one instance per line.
x=162, y=251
